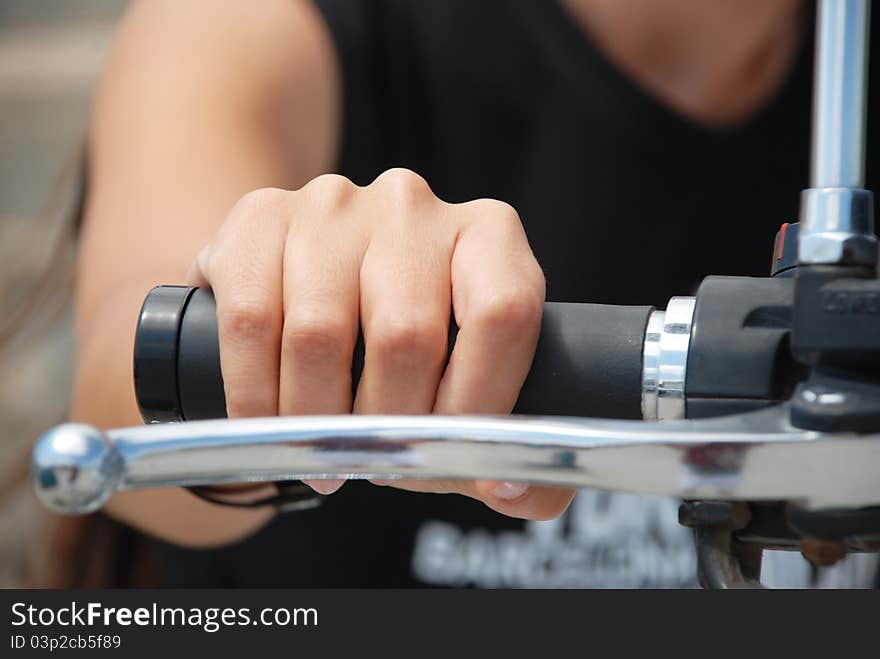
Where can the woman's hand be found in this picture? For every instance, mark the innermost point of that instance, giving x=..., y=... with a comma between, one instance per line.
x=296, y=275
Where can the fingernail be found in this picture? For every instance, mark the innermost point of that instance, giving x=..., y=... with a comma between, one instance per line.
x=509, y=491
x=325, y=486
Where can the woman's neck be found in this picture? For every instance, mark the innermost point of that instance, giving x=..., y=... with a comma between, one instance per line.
x=716, y=62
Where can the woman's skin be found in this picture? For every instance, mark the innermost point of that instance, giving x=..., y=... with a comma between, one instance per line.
x=213, y=130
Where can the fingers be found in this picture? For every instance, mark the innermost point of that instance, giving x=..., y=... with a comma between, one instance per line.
x=297, y=274
x=522, y=501
x=243, y=266
x=321, y=308
x=405, y=300
x=498, y=298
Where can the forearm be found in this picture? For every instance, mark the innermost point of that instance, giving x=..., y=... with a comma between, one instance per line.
x=179, y=134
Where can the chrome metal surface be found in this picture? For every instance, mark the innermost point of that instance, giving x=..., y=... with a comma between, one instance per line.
x=836, y=213
x=75, y=467
x=675, y=339
x=651, y=364
x=757, y=456
x=838, y=227
x=839, y=94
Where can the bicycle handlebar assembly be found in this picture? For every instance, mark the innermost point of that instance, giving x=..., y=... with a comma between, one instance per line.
x=724, y=351
x=760, y=397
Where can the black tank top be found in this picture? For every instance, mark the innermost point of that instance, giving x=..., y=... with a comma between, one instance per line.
x=624, y=201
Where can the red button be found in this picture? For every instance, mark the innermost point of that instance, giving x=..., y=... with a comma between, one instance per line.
x=781, y=244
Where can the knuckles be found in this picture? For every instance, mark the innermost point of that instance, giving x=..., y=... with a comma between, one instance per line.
x=332, y=191
x=262, y=202
x=328, y=194
x=495, y=210
x=318, y=341
x=246, y=322
x=403, y=185
x=514, y=310
x=327, y=191
x=413, y=341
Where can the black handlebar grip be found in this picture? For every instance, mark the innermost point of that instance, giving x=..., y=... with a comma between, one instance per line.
x=588, y=360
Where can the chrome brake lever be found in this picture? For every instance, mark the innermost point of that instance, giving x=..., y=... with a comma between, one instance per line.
x=756, y=456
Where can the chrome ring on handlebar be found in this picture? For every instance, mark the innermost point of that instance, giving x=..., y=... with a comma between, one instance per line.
x=651, y=364
x=664, y=360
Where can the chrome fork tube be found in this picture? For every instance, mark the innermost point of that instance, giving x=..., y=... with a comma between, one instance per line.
x=837, y=223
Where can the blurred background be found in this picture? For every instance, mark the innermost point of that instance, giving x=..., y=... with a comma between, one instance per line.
x=50, y=58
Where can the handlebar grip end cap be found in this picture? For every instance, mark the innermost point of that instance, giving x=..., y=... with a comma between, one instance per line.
x=155, y=353
x=75, y=469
